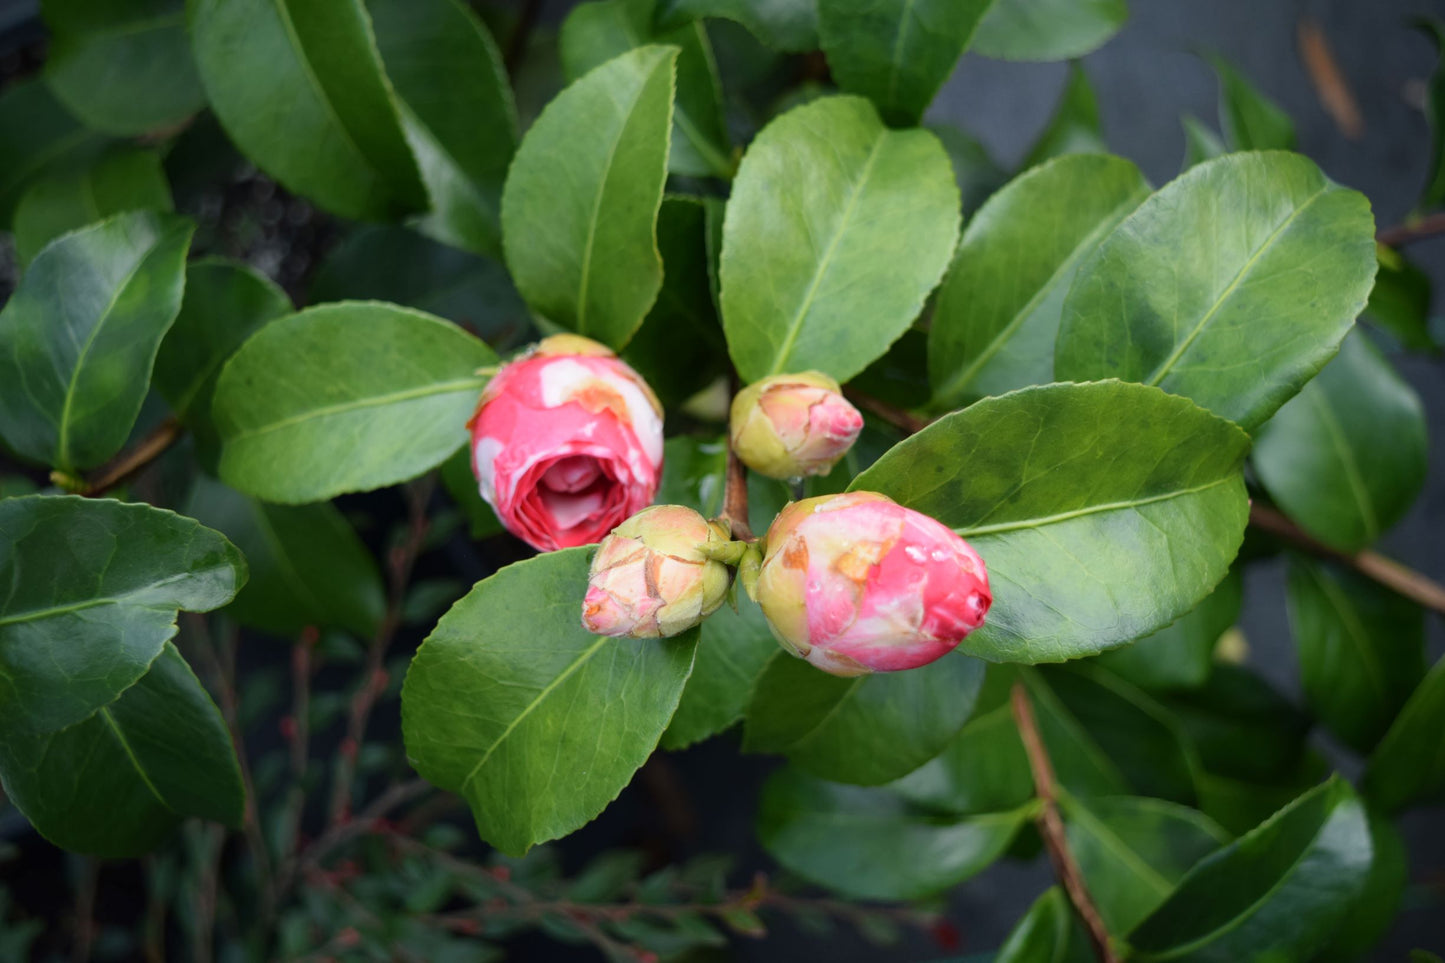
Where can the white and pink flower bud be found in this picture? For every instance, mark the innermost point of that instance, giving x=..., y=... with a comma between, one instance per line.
x=650, y=580
x=566, y=443
x=857, y=583
x=792, y=426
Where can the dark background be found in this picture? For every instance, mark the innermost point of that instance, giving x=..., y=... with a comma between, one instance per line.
x=1145, y=79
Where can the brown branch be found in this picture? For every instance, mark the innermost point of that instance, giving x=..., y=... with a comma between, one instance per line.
x=900, y=418
x=127, y=463
x=365, y=822
x=1329, y=80
x=1386, y=571
x=1051, y=827
x=735, y=498
x=84, y=923
x=1416, y=229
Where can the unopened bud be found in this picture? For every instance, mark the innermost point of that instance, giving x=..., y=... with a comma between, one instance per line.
x=857, y=583
x=792, y=426
x=649, y=578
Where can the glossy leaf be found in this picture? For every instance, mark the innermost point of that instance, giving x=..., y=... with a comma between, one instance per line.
x=897, y=53
x=536, y=723
x=36, y=135
x=790, y=25
x=93, y=586
x=1250, y=120
x=1181, y=655
x=1361, y=649
x=1074, y=127
x=579, y=211
x=118, y=782
x=594, y=33
x=1408, y=766
x=734, y=650
x=456, y=111
x=120, y=180
x=1434, y=193
x=122, y=66
x=1366, y=922
x=389, y=263
x=1103, y=511
x=1277, y=892
x=1048, y=29
x=308, y=567
x=300, y=89
x=345, y=397
x=865, y=730
x=866, y=844
x=1257, y=243
x=1050, y=932
x=836, y=231
x=225, y=302
x=80, y=335
x=997, y=315
x=1346, y=457
x=1133, y=850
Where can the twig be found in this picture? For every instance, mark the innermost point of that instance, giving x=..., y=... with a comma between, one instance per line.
x=1329, y=81
x=1388, y=572
x=127, y=463
x=373, y=681
x=521, y=34
x=905, y=421
x=365, y=822
x=1412, y=230
x=155, y=919
x=298, y=732
x=85, y=910
x=1051, y=827
x=735, y=498
x=203, y=942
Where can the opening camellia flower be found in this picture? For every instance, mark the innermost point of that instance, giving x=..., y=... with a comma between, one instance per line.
x=793, y=426
x=566, y=443
x=857, y=583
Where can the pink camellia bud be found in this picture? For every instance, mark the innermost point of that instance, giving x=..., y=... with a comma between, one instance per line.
x=792, y=426
x=649, y=580
x=566, y=443
x=857, y=583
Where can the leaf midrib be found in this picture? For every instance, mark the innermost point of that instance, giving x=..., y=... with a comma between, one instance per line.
x=1043, y=520
x=1349, y=621
x=105, y=714
x=34, y=615
x=360, y=404
x=1353, y=479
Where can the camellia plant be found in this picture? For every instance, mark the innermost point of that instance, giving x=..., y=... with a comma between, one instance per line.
x=935, y=483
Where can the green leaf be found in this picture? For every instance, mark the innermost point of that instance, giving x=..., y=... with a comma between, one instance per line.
x=1075, y=127
x=866, y=844
x=985, y=768
x=120, y=180
x=1262, y=243
x=456, y=111
x=1133, y=850
x=1346, y=457
x=1400, y=301
x=118, y=782
x=1361, y=648
x=36, y=135
x=1181, y=655
x=836, y=231
x=1200, y=143
x=1103, y=511
x=80, y=335
x=1275, y=893
x=1249, y=119
x=536, y=723
x=790, y=25
x=1408, y=766
x=308, y=567
x=1434, y=193
x=735, y=649
x=1370, y=918
x=383, y=262
x=122, y=66
x=896, y=52
x=680, y=345
x=997, y=315
x=93, y=586
x=300, y=90
x=865, y=730
x=1048, y=29
x=345, y=397
x=977, y=173
x=461, y=484
x=225, y=302
x=1050, y=932
x=594, y=33
x=579, y=212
